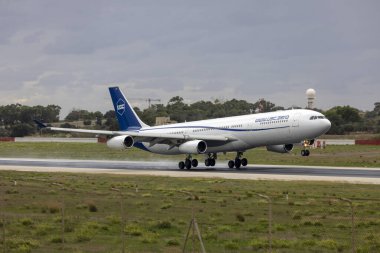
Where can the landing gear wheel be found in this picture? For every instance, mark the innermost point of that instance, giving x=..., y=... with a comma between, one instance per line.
x=244, y=162
x=237, y=163
x=231, y=164
x=307, y=153
x=181, y=165
x=211, y=159
x=188, y=164
x=194, y=163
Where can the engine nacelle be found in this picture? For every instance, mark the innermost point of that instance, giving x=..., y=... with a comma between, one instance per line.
x=286, y=148
x=121, y=142
x=193, y=147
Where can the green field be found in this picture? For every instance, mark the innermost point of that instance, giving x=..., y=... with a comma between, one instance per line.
x=101, y=213
x=357, y=155
x=152, y=214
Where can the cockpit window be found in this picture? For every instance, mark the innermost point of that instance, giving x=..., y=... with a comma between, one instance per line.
x=317, y=117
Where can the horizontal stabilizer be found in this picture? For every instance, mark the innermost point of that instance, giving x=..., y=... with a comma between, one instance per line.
x=40, y=124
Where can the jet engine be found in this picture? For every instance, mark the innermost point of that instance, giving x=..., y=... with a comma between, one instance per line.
x=286, y=148
x=193, y=147
x=121, y=142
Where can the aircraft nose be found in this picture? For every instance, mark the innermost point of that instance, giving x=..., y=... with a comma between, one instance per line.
x=327, y=125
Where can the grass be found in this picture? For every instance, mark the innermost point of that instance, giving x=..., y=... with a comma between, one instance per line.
x=230, y=214
x=356, y=155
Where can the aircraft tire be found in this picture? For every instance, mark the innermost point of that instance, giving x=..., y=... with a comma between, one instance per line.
x=207, y=162
x=237, y=163
x=194, y=163
x=231, y=164
x=188, y=164
x=212, y=162
x=303, y=152
x=244, y=161
x=181, y=165
x=307, y=152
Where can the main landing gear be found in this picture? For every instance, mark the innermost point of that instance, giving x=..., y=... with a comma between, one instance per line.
x=210, y=160
x=188, y=163
x=305, y=152
x=237, y=163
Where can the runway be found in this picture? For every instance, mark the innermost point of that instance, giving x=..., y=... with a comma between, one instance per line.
x=170, y=168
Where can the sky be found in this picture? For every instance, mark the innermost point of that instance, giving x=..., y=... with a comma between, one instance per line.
x=68, y=52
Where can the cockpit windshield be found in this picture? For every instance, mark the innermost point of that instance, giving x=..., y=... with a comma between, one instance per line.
x=317, y=117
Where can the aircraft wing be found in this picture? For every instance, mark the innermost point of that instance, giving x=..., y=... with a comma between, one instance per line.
x=141, y=135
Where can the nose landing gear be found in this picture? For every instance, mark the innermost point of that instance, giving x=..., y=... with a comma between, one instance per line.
x=306, y=144
x=305, y=152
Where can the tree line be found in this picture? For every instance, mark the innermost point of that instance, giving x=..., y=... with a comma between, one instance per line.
x=17, y=120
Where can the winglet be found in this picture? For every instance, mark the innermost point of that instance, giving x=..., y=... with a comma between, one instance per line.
x=40, y=124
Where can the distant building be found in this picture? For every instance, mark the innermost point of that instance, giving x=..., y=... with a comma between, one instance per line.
x=310, y=94
x=164, y=121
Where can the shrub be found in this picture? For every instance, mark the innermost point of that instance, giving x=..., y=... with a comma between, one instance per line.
x=280, y=227
x=92, y=207
x=56, y=240
x=259, y=244
x=309, y=243
x=230, y=245
x=328, y=244
x=308, y=223
x=297, y=216
x=54, y=209
x=51, y=208
x=166, y=206
x=83, y=235
x=26, y=222
x=11, y=191
x=22, y=245
x=224, y=228
x=163, y=225
x=133, y=230
x=81, y=206
x=281, y=244
x=240, y=217
x=172, y=242
x=149, y=238
x=210, y=235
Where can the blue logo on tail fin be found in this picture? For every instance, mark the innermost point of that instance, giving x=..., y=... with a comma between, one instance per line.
x=126, y=116
x=120, y=107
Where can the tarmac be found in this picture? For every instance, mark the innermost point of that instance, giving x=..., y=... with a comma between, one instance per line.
x=170, y=168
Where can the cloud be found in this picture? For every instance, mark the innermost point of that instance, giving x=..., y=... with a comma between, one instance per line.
x=68, y=52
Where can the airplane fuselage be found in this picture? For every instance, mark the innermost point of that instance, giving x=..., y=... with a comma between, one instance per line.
x=247, y=131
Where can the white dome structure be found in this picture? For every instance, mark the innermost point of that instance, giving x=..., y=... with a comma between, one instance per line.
x=310, y=94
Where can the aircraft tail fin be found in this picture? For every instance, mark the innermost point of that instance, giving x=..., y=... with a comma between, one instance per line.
x=126, y=116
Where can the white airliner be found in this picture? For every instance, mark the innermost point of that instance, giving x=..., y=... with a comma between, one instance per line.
x=277, y=131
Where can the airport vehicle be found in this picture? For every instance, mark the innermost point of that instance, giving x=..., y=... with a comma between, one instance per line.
x=277, y=131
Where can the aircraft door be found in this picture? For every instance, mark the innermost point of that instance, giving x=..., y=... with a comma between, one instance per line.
x=295, y=120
